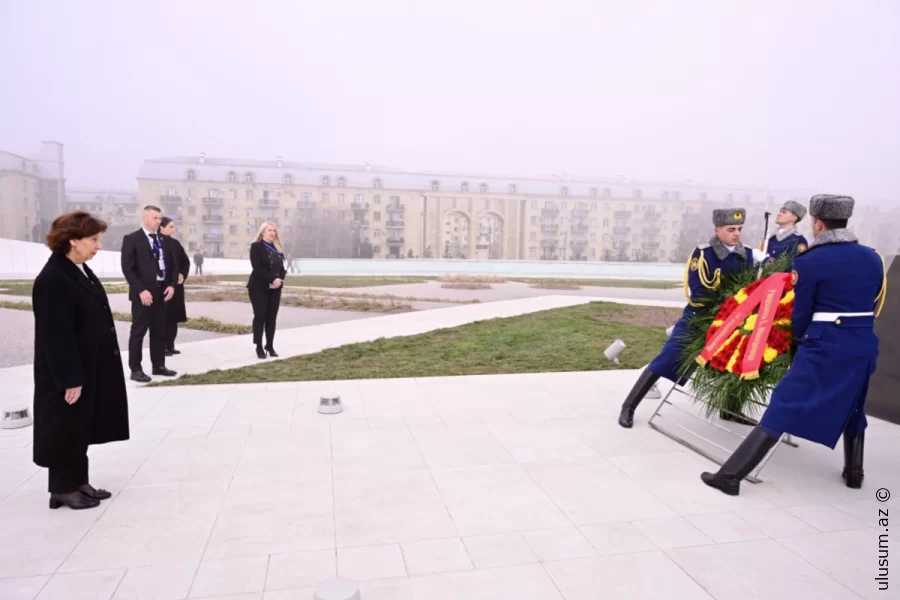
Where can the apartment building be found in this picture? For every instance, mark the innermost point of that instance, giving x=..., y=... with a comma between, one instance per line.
x=32, y=192
x=119, y=209
x=363, y=211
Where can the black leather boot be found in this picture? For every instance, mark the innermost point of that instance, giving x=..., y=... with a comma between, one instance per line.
x=271, y=351
x=751, y=451
x=853, y=460
x=637, y=393
x=260, y=353
x=74, y=500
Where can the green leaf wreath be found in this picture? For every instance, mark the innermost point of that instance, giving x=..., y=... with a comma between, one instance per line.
x=725, y=391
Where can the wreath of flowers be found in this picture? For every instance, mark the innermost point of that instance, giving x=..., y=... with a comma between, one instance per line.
x=721, y=384
x=729, y=357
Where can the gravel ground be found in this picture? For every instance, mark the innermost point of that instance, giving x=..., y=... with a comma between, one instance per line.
x=18, y=331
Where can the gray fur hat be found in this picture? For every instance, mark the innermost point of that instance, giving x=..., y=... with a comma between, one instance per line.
x=827, y=206
x=796, y=208
x=723, y=217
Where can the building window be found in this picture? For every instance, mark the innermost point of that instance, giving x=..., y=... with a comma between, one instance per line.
x=191, y=176
x=676, y=196
x=232, y=176
x=607, y=193
x=288, y=179
x=637, y=193
x=248, y=177
x=341, y=182
x=593, y=192
x=340, y=198
x=233, y=247
x=593, y=207
x=232, y=229
x=325, y=181
x=376, y=199
x=564, y=191
x=232, y=194
x=512, y=188
x=191, y=192
x=326, y=197
x=192, y=229
x=376, y=215
x=483, y=188
x=249, y=194
x=464, y=186
x=606, y=222
x=377, y=184
x=435, y=185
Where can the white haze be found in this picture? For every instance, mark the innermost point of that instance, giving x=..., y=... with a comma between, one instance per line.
x=804, y=93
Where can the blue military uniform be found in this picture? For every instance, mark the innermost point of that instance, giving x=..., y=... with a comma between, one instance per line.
x=839, y=288
x=788, y=240
x=838, y=285
x=708, y=264
x=706, y=267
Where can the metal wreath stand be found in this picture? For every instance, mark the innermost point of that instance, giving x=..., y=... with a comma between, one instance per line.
x=753, y=477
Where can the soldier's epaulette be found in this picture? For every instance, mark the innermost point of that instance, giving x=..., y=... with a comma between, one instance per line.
x=702, y=246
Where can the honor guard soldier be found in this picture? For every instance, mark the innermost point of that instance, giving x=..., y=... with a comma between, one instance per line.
x=788, y=238
x=708, y=264
x=839, y=288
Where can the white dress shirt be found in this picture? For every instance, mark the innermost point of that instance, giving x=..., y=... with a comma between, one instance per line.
x=162, y=258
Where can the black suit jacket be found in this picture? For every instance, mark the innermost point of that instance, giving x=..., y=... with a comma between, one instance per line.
x=140, y=266
x=267, y=267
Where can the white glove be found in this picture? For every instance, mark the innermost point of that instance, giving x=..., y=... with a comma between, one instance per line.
x=759, y=255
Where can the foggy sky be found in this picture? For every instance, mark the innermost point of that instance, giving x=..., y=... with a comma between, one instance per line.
x=804, y=93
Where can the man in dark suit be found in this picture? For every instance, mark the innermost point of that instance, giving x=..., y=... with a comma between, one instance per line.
x=150, y=269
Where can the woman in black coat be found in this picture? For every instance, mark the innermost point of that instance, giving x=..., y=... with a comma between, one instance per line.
x=79, y=382
x=264, y=285
x=175, y=310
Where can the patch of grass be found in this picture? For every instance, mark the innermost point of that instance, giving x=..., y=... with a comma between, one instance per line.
x=23, y=288
x=613, y=283
x=198, y=323
x=385, y=297
x=556, y=286
x=310, y=300
x=557, y=340
x=464, y=278
x=334, y=281
x=464, y=285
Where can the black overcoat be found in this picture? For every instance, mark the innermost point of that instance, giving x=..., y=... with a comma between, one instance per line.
x=175, y=307
x=75, y=345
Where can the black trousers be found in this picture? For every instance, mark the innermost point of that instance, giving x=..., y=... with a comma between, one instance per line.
x=65, y=479
x=151, y=317
x=265, y=310
x=198, y=269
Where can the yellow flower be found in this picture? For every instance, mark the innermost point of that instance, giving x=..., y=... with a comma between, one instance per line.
x=769, y=354
x=733, y=360
x=740, y=297
x=718, y=323
x=730, y=339
x=783, y=322
x=789, y=297
x=750, y=323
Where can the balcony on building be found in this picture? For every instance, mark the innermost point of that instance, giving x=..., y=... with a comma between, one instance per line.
x=213, y=237
x=171, y=201
x=622, y=214
x=360, y=223
x=621, y=230
x=359, y=206
x=550, y=227
x=651, y=230
x=213, y=201
x=214, y=254
x=395, y=224
x=553, y=210
x=650, y=245
x=579, y=243
x=269, y=201
x=395, y=241
x=548, y=242
x=211, y=218
x=395, y=207
x=580, y=227
x=580, y=212
x=306, y=205
x=652, y=216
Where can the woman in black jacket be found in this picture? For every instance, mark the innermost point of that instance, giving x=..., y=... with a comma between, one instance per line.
x=175, y=310
x=264, y=285
x=79, y=383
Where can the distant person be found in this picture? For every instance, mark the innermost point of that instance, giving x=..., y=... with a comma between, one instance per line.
x=265, y=285
x=198, y=263
x=79, y=383
x=787, y=238
x=175, y=310
x=152, y=274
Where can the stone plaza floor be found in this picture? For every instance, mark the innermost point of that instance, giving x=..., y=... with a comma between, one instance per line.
x=500, y=486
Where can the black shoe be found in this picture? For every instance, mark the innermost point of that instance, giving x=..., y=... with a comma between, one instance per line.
x=749, y=454
x=853, y=461
x=140, y=376
x=637, y=393
x=74, y=500
x=271, y=351
x=173, y=351
x=260, y=353
x=164, y=372
x=94, y=494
